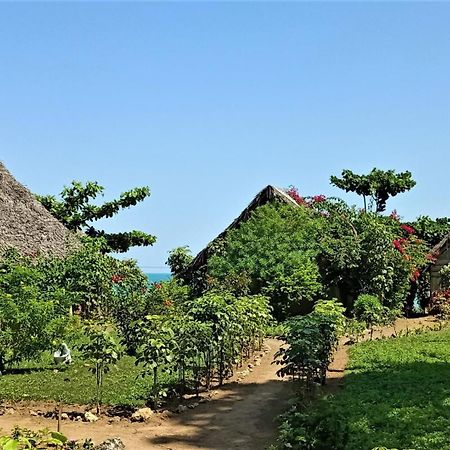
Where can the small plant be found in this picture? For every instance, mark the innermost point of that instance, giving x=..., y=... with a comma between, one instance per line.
x=103, y=350
x=157, y=351
x=369, y=310
x=22, y=438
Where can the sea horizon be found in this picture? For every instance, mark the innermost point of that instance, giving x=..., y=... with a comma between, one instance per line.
x=156, y=277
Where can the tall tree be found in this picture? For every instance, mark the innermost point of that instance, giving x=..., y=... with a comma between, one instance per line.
x=378, y=185
x=77, y=213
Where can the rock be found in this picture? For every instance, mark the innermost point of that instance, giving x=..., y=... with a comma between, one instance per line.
x=65, y=416
x=202, y=400
x=250, y=366
x=79, y=419
x=10, y=411
x=33, y=413
x=89, y=417
x=111, y=444
x=115, y=419
x=141, y=415
x=181, y=408
x=193, y=405
x=257, y=363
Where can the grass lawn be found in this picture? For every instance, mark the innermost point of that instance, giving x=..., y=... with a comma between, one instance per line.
x=74, y=383
x=397, y=393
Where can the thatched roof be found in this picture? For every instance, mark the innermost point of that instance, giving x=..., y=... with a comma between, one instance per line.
x=25, y=224
x=268, y=194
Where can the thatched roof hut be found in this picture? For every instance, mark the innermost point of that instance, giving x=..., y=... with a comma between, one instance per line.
x=25, y=224
x=267, y=195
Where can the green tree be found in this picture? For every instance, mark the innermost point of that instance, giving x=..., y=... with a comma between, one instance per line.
x=276, y=250
x=378, y=185
x=77, y=213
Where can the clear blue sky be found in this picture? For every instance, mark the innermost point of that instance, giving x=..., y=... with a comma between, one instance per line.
x=207, y=103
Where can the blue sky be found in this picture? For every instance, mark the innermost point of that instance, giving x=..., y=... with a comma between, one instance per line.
x=207, y=103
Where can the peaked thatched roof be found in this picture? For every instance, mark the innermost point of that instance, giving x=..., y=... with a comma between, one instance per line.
x=268, y=194
x=25, y=224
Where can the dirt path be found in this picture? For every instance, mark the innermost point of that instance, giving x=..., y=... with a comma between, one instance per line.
x=240, y=415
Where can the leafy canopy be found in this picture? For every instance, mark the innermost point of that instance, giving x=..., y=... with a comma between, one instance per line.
x=76, y=212
x=378, y=185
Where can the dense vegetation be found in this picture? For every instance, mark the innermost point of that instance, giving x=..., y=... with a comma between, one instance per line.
x=322, y=248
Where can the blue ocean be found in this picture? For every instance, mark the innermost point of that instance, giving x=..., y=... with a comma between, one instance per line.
x=157, y=277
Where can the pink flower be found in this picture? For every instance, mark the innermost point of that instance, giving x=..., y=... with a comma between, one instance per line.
x=319, y=198
x=293, y=193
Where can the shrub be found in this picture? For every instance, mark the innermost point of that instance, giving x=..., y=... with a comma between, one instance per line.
x=368, y=310
x=311, y=341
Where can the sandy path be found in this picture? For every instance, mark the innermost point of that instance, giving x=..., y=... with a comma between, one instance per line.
x=240, y=415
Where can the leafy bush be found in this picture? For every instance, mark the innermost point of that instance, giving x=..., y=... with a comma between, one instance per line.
x=311, y=341
x=368, y=310
x=30, y=319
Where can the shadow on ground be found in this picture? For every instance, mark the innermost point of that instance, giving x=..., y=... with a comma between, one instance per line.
x=243, y=416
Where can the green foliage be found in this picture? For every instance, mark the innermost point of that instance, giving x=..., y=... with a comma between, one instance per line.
x=157, y=350
x=293, y=255
x=395, y=396
x=199, y=339
x=444, y=274
x=22, y=438
x=76, y=212
x=275, y=250
x=432, y=230
x=30, y=317
x=378, y=185
x=316, y=425
x=102, y=350
x=369, y=310
x=311, y=341
x=179, y=260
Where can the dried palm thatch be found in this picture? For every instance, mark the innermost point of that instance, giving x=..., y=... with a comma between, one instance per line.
x=268, y=194
x=26, y=225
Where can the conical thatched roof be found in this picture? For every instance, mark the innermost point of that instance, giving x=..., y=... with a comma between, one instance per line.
x=25, y=224
x=268, y=194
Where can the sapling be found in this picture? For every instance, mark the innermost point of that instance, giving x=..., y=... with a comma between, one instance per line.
x=103, y=350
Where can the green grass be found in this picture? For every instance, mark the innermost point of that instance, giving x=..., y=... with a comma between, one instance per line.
x=74, y=384
x=397, y=393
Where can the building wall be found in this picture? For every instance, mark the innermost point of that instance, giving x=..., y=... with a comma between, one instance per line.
x=443, y=259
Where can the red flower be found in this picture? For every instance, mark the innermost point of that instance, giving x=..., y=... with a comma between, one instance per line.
x=415, y=275
x=319, y=198
x=407, y=228
x=157, y=285
x=168, y=303
x=398, y=245
x=116, y=278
